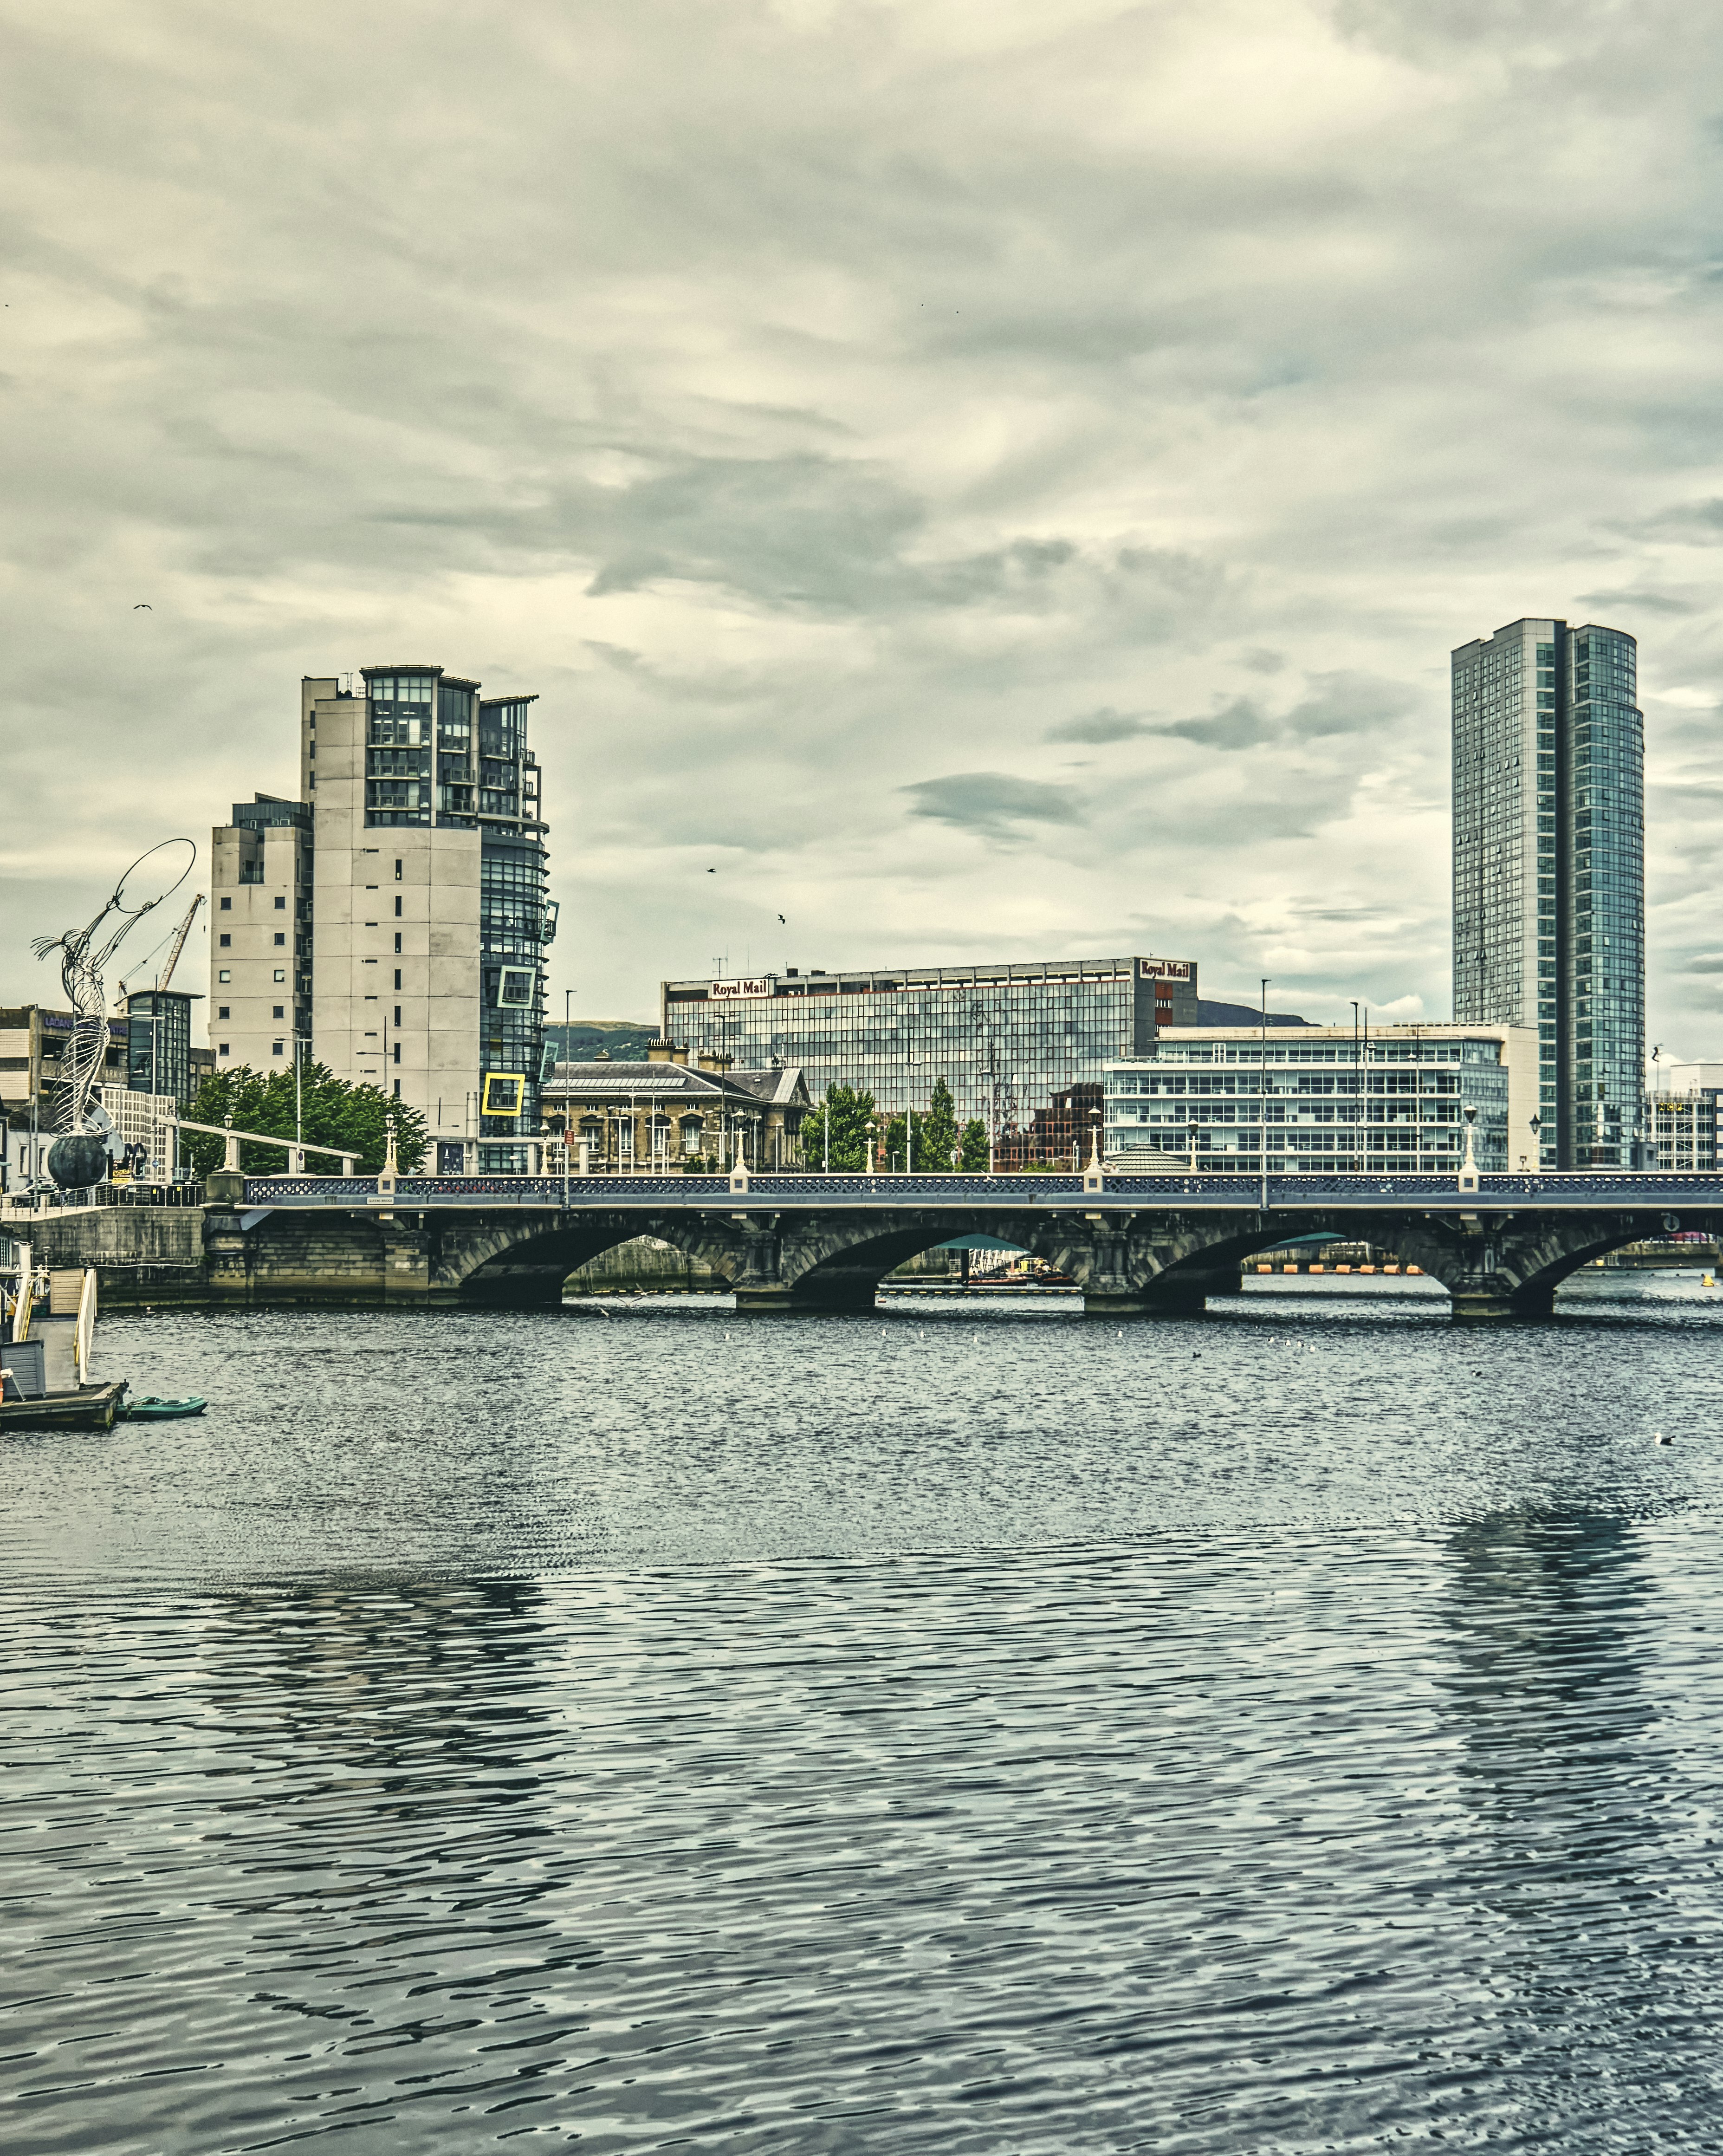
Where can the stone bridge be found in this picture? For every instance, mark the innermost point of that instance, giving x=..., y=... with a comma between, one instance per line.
x=1137, y=1245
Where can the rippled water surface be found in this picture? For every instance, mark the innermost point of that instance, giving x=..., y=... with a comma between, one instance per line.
x=957, y=1730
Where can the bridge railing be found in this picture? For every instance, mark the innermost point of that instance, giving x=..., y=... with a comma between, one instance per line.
x=714, y=1193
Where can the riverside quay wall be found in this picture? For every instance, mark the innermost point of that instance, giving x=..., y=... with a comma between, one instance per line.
x=1135, y=1244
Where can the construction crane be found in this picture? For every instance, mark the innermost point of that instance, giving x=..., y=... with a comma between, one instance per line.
x=179, y=941
x=179, y=944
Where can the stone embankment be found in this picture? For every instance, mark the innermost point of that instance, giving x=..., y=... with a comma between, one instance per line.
x=145, y=1256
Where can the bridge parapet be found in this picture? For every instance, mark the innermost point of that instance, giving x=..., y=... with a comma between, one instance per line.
x=1234, y=1192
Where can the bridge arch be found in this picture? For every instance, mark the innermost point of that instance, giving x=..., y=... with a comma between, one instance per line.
x=514, y=1265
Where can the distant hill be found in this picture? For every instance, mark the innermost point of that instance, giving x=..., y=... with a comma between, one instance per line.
x=623, y=1040
x=1208, y=1013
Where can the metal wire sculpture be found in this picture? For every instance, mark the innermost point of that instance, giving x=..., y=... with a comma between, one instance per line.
x=85, y=953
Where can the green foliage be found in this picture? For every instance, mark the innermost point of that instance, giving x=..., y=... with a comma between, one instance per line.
x=849, y=1112
x=357, y=1118
x=974, y=1147
x=936, y=1132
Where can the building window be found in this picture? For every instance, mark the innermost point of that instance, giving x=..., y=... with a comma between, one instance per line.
x=397, y=1051
x=280, y=906
x=397, y=871
x=279, y=1011
x=397, y=1089
x=397, y=939
x=227, y=942
x=281, y=972
x=397, y=978
x=275, y=1048
x=281, y=939
x=222, y=1049
x=227, y=905
x=398, y=1014
x=224, y=975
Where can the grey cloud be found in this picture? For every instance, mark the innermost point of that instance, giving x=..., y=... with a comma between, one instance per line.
x=1713, y=964
x=1261, y=661
x=1628, y=602
x=992, y=803
x=1237, y=724
x=1106, y=725
x=1348, y=703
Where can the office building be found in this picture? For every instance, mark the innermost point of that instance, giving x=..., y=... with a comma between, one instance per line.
x=1022, y=1047
x=1549, y=907
x=1682, y=1113
x=392, y=922
x=32, y=1040
x=1330, y=1100
x=158, y=1043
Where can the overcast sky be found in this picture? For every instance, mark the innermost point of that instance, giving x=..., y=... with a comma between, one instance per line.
x=991, y=480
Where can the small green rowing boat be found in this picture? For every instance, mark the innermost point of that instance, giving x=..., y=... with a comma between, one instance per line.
x=151, y=1409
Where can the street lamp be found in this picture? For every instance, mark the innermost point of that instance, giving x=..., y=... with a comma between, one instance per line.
x=1190, y=1129
x=873, y=1132
x=1535, y=1127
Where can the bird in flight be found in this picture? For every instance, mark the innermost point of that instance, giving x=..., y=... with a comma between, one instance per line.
x=785, y=923
x=712, y=871
x=143, y=606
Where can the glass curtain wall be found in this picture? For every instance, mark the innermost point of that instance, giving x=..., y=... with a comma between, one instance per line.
x=399, y=733
x=1009, y=1046
x=1604, y=947
x=514, y=924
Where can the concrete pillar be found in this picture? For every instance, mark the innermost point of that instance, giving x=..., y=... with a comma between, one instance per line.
x=226, y=1255
x=406, y=1259
x=760, y=1288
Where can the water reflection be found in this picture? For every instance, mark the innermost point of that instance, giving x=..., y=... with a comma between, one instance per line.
x=1579, y=1819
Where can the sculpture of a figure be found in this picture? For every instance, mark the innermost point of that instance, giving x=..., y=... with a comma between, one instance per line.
x=85, y=953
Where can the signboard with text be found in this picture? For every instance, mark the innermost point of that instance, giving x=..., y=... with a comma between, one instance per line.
x=731, y=991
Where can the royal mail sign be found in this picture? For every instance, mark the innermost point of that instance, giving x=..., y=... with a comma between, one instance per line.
x=724, y=992
x=1164, y=969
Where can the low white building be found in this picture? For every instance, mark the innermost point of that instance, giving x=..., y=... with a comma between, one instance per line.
x=1682, y=1104
x=1328, y=1099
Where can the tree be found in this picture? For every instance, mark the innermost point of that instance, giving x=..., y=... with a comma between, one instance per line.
x=357, y=1119
x=849, y=1112
x=936, y=1132
x=974, y=1147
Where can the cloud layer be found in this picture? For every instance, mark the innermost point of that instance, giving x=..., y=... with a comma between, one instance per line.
x=991, y=482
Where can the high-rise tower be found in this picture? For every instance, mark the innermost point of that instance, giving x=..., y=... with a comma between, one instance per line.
x=1548, y=872
x=392, y=922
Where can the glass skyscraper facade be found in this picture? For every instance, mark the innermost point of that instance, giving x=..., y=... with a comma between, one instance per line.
x=1014, y=1042
x=1549, y=874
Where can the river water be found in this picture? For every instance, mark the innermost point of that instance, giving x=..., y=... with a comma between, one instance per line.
x=962, y=1729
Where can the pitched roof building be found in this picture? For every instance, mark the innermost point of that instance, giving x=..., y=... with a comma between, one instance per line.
x=663, y=1115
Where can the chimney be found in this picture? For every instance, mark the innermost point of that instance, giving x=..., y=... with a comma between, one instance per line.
x=678, y=1054
x=659, y=1051
x=711, y=1059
